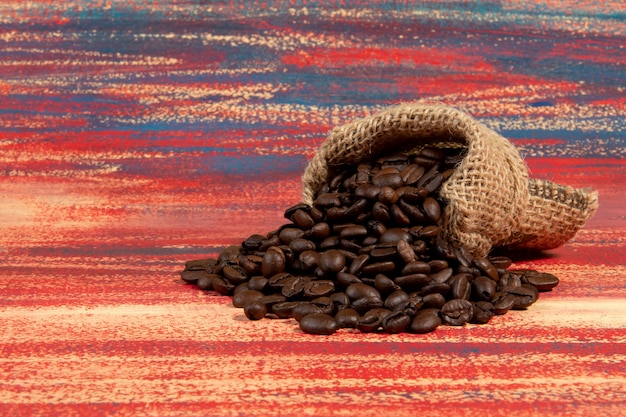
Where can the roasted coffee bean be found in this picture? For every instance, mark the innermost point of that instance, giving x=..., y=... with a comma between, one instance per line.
x=412, y=212
x=317, y=323
x=302, y=219
x=353, y=232
x=524, y=295
x=255, y=311
x=271, y=299
x=406, y=252
x=387, y=196
x=331, y=242
x=258, y=283
x=487, y=268
x=442, y=288
x=206, y=282
x=285, y=310
x=222, y=285
x=293, y=286
x=289, y=212
x=543, y=281
x=433, y=183
x=332, y=261
x=358, y=263
x=347, y=318
x=327, y=200
x=381, y=212
x=383, y=253
x=388, y=179
x=483, y=288
x=319, y=288
x=340, y=299
x=367, y=191
x=502, y=302
x=288, y=234
x=384, y=285
x=412, y=282
x=274, y=261
x=242, y=298
x=425, y=321
x=460, y=287
x=395, y=299
x=500, y=262
x=304, y=309
x=396, y=322
x=359, y=207
x=299, y=245
x=378, y=268
x=511, y=279
x=309, y=260
x=344, y=279
x=442, y=275
x=251, y=264
x=277, y=281
x=372, y=320
x=394, y=235
x=319, y=231
x=398, y=216
x=270, y=241
x=412, y=173
x=192, y=276
x=457, y=312
x=432, y=210
x=253, y=242
x=416, y=267
x=375, y=228
x=483, y=312
x=325, y=304
x=235, y=274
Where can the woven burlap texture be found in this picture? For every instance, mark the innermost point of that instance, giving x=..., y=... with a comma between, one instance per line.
x=488, y=199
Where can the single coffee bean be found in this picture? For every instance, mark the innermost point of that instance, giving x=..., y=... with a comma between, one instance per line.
x=412, y=212
x=340, y=300
x=325, y=304
x=222, y=285
x=347, y=318
x=406, y=252
x=299, y=245
x=502, y=302
x=318, y=288
x=271, y=299
x=388, y=179
x=384, y=285
x=372, y=319
x=487, y=268
x=285, y=310
x=304, y=309
x=206, y=282
x=317, y=323
x=235, y=274
x=251, y=264
x=398, y=216
x=387, y=196
x=344, y=279
x=309, y=260
x=524, y=295
x=258, y=283
x=457, y=312
x=483, y=288
x=412, y=282
x=412, y=173
x=543, y=281
x=353, y=232
x=242, y=298
x=274, y=261
x=416, y=267
x=394, y=235
x=367, y=191
x=327, y=200
x=277, y=281
x=359, y=207
x=510, y=279
x=332, y=261
x=395, y=299
x=425, y=321
x=378, y=268
x=358, y=263
x=200, y=264
x=383, y=253
x=432, y=210
x=483, y=312
x=396, y=322
x=255, y=311
x=500, y=262
x=381, y=212
x=192, y=276
x=293, y=286
x=302, y=219
x=460, y=287
x=442, y=275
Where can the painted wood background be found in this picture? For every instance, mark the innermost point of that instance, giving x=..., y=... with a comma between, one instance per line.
x=136, y=135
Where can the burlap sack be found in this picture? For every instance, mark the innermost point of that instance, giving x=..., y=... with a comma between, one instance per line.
x=490, y=200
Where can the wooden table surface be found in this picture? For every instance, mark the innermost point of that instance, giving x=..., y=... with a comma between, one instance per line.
x=137, y=135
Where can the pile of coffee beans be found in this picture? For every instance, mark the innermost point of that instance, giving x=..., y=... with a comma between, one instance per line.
x=368, y=255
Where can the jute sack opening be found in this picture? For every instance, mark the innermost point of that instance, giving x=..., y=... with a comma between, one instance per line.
x=490, y=201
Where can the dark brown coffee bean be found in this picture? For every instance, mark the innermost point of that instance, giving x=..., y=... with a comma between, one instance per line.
x=285, y=310
x=387, y=196
x=289, y=212
x=331, y=242
x=393, y=235
x=398, y=216
x=487, y=268
x=384, y=285
x=442, y=288
x=432, y=210
x=255, y=311
x=395, y=299
x=336, y=214
x=372, y=320
x=460, y=287
x=378, y=268
x=319, y=288
x=277, y=281
x=271, y=299
x=483, y=288
x=327, y=200
x=273, y=240
x=437, y=265
x=428, y=232
x=502, y=302
x=367, y=191
x=347, y=318
x=304, y=309
x=293, y=286
x=359, y=207
x=381, y=213
x=222, y=285
x=543, y=281
x=332, y=261
x=425, y=321
x=383, y=253
x=325, y=304
x=396, y=322
x=258, y=283
x=206, y=282
x=319, y=231
x=416, y=267
x=358, y=263
x=340, y=299
x=388, y=179
x=457, y=312
x=406, y=252
x=524, y=295
x=253, y=242
x=300, y=245
x=344, y=279
x=412, y=212
x=500, y=262
x=251, y=264
x=309, y=260
x=442, y=275
x=433, y=182
x=511, y=279
x=235, y=274
x=274, y=261
x=433, y=153
x=302, y=219
x=353, y=232
x=321, y=324
x=412, y=282
x=434, y=300
x=376, y=228
x=483, y=312
x=288, y=234
x=412, y=173
x=242, y=298
x=192, y=276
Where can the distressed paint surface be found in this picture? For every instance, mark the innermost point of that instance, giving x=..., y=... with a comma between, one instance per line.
x=136, y=135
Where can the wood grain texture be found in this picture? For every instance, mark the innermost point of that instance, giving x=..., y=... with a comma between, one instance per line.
x=137, y=135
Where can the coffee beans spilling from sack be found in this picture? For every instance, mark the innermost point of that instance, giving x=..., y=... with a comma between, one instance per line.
x=368, y=254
